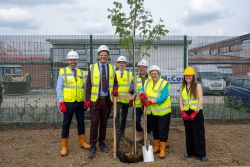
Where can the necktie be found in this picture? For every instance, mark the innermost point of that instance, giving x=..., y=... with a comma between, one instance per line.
x=121, y=74
x=104, y=79
x=74, y=72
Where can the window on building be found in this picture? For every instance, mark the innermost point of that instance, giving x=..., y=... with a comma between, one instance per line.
x=12, y=71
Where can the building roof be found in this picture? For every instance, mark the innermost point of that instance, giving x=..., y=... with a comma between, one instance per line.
x=229, y=41
x=114, y=40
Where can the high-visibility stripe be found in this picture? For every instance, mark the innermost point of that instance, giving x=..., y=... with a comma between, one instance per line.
x=162, y=109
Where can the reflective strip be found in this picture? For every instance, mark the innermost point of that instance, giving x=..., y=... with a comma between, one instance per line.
x=146, y=85
x=192, y=99
x=113, y=71
x=192, y=105
x=67, y=75
x=161, y=109
x=128, y=72
x=124, y=92
x=95, y=85
x=66, y=80
x=94, y=93
x=124, y=85
x=159, y=90
x=92, y=72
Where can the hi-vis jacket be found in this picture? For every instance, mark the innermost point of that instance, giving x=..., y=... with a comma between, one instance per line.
x=138, y=87
x=153, y=93
x=96, y=80
x=189, y=102
x=124, y=84
x=73, y=88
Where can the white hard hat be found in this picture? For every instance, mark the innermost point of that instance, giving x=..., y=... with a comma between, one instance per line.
x=72, y=55
x=103, y=48
x=154, y=68
x=121, y=58
x=143, y=62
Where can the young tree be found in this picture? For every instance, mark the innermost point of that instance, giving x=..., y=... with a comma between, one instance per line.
x=137, y=21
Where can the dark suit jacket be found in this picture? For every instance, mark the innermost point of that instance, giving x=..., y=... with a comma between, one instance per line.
x=89, y=85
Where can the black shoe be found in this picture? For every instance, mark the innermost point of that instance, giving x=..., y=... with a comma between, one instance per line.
x=203, y=159
x=92, y=151
x=103, y=147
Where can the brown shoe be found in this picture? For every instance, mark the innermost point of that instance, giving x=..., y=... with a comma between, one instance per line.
x=82, y=142
x=162, y=150
x=64, y=147
x=156, y=146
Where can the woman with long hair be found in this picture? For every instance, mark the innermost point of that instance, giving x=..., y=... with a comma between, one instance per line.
x=191, y=100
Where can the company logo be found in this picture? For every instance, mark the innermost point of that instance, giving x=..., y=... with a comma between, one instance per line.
x=173, y=79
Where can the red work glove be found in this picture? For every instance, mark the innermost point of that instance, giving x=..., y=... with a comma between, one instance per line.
x=193, y=115
x=63, y=107
x=143, y=97
x=86, y=104
x=147, y=103
x=130, y=103
x=184, y=115
x=115, y=92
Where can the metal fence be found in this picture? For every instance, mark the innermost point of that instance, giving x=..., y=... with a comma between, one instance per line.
x=29, y=68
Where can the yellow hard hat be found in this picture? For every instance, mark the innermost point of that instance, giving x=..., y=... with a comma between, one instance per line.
x=189, y=71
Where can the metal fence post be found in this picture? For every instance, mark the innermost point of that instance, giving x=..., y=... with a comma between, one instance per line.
x=91, y=48
x=185, y=52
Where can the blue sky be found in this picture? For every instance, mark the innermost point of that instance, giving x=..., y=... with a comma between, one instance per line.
x=66, y=17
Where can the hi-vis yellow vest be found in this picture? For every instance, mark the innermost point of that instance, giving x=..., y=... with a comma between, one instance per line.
x=96, y=80
x=73, y=88
x=153, y=93
x=188, y=100
x=124, y=84
x=138, y=87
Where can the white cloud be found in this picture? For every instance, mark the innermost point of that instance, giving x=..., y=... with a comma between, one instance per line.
x=217, y=31
x=93, y=27
x=203, y=11
x=34, y=2
x=16, y=18
x=205, y=6
x=177, y=28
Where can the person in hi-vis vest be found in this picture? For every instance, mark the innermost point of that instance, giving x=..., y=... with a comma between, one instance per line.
x=191, y=100
x=125, y=87
x=100, y=87
x=70, y=95
x=140, y=80
x=154, y=94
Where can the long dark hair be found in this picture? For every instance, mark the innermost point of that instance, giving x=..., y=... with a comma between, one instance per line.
x=193, y=86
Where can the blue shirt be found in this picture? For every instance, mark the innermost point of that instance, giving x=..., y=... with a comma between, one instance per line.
x=60, y=85
x=163, y=96
x=101, y=93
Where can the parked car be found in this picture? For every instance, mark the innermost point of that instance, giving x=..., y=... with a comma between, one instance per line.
x=237, y=93
x=210, y=78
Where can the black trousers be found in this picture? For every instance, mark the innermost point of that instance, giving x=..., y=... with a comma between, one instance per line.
x=121, y=119
x=139, y=113
x=195, y=135
x=71, y=108
x=160, y=126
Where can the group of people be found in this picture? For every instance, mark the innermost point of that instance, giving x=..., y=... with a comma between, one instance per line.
x=78, y=90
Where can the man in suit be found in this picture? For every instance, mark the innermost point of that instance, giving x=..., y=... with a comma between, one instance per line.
x=100, y=87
